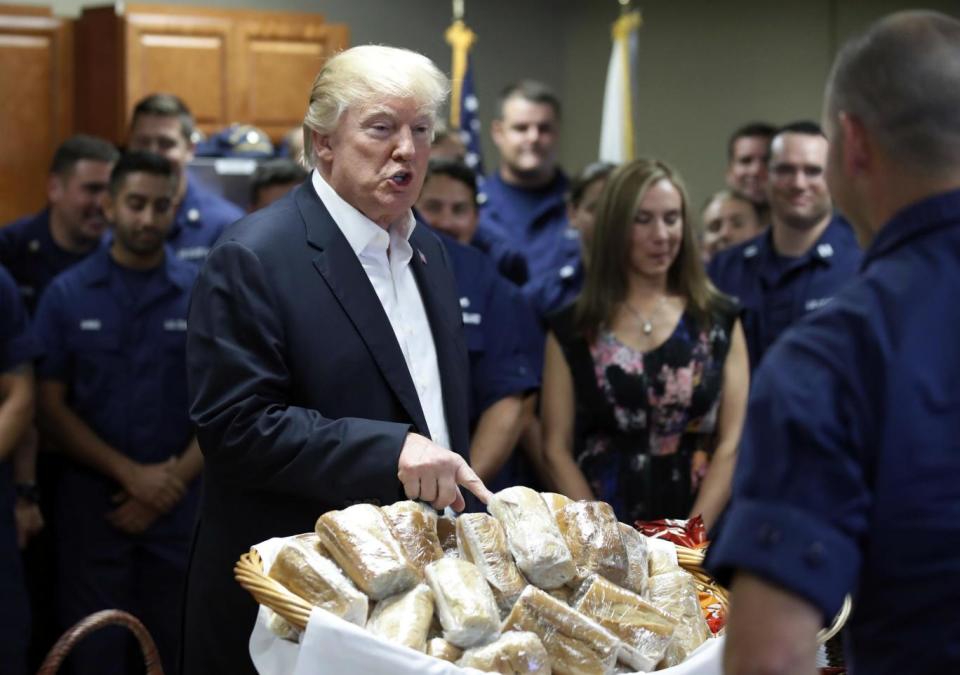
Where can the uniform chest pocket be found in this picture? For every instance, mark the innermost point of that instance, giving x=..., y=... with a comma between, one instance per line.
x=473, y=336
x=99, y=363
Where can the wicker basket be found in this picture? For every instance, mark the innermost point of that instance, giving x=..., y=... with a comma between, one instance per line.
x=691, y=559
x=107, y=617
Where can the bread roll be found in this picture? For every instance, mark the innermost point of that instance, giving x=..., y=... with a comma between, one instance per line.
x=439, y=648
x=514, y=653
x=319, y=581
x=447, y=534
x=281, y=627
x=481, y=541
x=638, y=570
x=532, y=535
x=662, y=556
x=555, y=501
x=414, y=524
x=593, y=536
x=644, y=630
x=576, y=644
x=465, y=604
x=404, y=619
x=676, y=594
x=359, y=539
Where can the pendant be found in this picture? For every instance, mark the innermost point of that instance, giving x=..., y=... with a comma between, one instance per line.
x=647, y=327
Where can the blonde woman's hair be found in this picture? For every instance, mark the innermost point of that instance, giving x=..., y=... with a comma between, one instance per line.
x=361, y=75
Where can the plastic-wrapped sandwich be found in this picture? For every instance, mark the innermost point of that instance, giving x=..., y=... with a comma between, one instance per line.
x=576, y=644
x=404, y=619
x=465, y=604
x=439, y=648
x=676, y=594
x=360, y=540
x=638, y=571
x=533, y=536
x=593, y=536
x=318, y=580
x=646, y=632
x=481, y=540
x=514, y=653
x=662, y=556
x=447, y=534
x=414, y=524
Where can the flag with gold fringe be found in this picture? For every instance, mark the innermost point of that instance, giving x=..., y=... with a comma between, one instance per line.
x=463, y=97
x=616, y=130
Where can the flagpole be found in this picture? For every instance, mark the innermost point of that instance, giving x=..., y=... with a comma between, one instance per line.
x=460, y=38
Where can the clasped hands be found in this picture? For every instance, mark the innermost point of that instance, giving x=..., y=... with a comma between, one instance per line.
x=149, y=491
x=434, y=474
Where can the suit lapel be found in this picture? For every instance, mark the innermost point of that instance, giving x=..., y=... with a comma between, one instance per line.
x=341, y=270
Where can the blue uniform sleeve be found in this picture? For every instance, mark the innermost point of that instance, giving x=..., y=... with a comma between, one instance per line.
x=18, y=345
x=51, y=332
x=800, y=499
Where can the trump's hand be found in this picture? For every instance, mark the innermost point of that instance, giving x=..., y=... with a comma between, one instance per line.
x=434, y=474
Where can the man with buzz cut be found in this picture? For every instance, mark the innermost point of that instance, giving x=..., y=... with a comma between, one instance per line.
x=806, y=256
x=525, y=204
x=163, y=124
x=113, y=396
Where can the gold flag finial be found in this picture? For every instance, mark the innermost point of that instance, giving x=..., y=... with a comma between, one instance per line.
x=460, y=38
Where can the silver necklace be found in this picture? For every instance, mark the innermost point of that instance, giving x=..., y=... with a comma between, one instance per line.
x=646, y=322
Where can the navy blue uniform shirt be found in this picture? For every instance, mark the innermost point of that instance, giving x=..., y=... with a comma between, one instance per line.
x=775, y=291
x=533, y=222
x=31, y=255
x=123, y=358
x=848, y=479
x=18, y=344
x=556, y=290
x=199, y=222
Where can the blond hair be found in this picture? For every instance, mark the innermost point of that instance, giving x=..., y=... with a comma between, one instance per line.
x=364, y=74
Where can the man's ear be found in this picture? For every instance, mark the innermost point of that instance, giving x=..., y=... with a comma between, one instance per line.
x=55, y=188
x=858, y=156
x=322, y=147
x=496, y=131
x=108, y=205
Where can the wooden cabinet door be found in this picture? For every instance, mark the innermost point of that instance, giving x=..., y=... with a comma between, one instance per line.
x=181, y=54
x=274, y=65
x=36, y=105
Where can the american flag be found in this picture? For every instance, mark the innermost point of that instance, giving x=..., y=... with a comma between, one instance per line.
x=469, y=122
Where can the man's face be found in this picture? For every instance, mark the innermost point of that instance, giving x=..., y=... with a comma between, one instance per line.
x=141, y=213
x=747, y=170
x=376, y=158
x=162, y=135
x=526, y=137
x=798, y=191
x=728, y=222
x=448, y=205
x=77, y=198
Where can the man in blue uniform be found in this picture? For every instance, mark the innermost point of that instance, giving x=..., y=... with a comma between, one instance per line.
x=848, y=479
x=162, y=123
x=37, y=248
x=113, y=394
x=525, y=204
x=807, y=255
x=18, y=348
x=504, y=343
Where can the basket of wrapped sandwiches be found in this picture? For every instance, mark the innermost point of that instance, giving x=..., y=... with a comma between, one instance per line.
x=539, y=584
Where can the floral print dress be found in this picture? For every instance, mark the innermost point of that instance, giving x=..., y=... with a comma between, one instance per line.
x=640, y=416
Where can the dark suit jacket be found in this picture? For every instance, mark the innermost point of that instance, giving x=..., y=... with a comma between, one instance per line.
x=301, y=397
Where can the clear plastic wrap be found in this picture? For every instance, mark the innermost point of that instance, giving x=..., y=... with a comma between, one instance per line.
x=555, y=501
x=676, y=594
x=576, y=644
x=481, y=541
x=638, y=564
x=447, y=534
x=662, y=556
x=439, y=648
x=404, y=619
x=464, y=602
x=360, y=540
x=533, y=537
x=593, y=536
x=318, y=580
x=645, y=631
x=514, y=653
x=414, y=524
x=281, y=627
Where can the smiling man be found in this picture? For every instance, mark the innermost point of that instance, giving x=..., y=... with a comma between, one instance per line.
x=326, y=353
x=806, y=256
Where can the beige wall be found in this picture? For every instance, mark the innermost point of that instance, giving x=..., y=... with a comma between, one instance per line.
x=705, y=66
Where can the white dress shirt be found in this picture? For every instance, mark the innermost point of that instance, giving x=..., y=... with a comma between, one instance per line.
x=385, y=257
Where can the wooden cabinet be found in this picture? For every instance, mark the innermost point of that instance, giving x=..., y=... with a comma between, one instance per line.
x=36, y=105
x=227, y=65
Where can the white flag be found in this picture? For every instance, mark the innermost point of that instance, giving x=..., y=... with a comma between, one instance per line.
x=616, y=131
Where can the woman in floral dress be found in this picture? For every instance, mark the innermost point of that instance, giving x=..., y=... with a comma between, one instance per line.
x=646, y=374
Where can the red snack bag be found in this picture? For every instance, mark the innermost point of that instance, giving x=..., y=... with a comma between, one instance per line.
x=690, y=533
